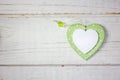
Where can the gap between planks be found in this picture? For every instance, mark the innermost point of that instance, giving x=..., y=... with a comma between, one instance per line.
x=57, y=15
x=56, y=65
x=106, y=13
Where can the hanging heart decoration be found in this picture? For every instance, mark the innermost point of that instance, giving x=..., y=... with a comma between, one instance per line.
x=85, y=40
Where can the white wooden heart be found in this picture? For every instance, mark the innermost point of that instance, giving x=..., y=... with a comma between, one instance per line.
x=85, y=40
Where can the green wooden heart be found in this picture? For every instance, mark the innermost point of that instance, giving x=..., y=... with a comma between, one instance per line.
x=96, y=27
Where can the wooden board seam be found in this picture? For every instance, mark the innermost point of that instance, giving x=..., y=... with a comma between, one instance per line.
x=55, y=65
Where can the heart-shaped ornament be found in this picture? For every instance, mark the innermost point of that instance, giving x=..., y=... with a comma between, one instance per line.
x=85, y=40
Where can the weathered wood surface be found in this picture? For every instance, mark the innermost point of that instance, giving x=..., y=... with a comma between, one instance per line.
x=64, y=73
x=59, y=7
x=38, y=40
x=33, y=47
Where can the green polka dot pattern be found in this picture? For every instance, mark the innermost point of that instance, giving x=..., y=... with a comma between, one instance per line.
x=97, y=27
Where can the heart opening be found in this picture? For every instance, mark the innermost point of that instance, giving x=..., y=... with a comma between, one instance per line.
x=85, y=40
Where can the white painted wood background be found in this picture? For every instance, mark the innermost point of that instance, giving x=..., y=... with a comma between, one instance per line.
x=33, y=47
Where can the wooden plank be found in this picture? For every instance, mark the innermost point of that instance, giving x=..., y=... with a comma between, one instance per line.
x=32, y=47
x=35, y=40
x=59, y=7
x=59, y=73
x=66, y=2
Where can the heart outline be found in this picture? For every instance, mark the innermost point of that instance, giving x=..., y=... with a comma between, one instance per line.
x=101, y=35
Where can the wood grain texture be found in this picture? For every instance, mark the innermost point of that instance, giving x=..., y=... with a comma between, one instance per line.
x=33, y=47
x=64, y=73
x=59, y=7
x=38, y=40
